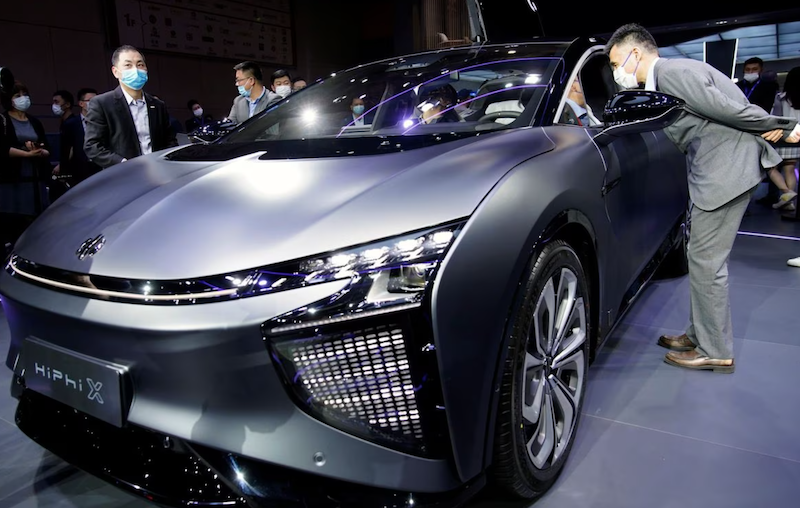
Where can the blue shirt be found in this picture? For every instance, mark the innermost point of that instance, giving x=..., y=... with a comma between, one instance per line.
x=253, y=103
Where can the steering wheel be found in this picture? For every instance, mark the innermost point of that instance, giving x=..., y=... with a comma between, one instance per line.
x=491, y=117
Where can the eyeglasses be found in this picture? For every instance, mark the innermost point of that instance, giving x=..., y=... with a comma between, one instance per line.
x=241, y=80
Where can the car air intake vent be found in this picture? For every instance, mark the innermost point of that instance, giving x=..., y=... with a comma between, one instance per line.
x=361, y=380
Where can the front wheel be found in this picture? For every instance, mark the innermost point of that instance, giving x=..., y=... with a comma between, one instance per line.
x=544, y=380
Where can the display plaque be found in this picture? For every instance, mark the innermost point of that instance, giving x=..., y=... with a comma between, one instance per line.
x=259, y=30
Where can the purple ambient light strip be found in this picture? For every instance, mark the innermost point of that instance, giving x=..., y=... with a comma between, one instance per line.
x=765, y=235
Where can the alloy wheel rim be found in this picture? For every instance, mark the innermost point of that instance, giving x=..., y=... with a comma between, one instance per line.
x=554, y=369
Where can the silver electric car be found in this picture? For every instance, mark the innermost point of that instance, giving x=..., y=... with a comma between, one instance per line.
x=385, y=290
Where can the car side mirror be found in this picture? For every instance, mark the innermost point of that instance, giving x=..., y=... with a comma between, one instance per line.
x=636, y=111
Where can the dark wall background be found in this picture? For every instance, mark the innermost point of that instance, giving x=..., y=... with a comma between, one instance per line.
x=55, y=44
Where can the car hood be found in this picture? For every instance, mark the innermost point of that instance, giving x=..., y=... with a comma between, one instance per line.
x=165, y=219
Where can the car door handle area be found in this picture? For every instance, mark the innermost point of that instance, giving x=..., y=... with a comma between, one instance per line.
x=609, y=186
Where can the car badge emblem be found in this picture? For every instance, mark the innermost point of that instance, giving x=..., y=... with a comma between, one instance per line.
x=90, y=247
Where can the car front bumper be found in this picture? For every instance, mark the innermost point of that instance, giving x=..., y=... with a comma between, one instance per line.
x=201, y=376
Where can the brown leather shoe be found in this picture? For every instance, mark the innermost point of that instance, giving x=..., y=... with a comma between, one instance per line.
x=694, y=360
x=676, y=342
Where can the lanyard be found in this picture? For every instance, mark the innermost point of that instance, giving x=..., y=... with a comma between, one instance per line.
x=753, y=88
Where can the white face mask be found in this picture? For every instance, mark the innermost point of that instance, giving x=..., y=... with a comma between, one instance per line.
x=57, y=110
x=751, y=77
x=283, y=90
x=198, y=112
x=22, y=103
x=624, y=78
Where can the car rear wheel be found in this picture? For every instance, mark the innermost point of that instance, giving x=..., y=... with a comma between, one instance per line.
x=545, y=374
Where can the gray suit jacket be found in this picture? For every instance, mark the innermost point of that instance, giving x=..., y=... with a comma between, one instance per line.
x=240, y=111
x=720, y=132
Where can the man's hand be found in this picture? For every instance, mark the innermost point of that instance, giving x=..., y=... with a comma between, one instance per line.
x=57, y=169
x=774, y=136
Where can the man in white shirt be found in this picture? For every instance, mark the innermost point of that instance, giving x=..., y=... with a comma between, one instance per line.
x=126, y=122
x=357, y=118
x=576, y=100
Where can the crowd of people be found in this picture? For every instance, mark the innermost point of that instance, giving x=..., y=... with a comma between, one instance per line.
x=726, y=133
x=110, y=128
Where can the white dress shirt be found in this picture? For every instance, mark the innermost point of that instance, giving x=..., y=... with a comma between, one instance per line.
x=357, y=121
x=584, y=114
x=650, y=84
x=141, y=121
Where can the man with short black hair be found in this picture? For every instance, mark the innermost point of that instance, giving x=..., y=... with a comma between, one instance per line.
x=253, y=97
x=82, y=167
x=281, y=83
x=62, y=104
x=62, y=108
x=725, y=139
x=298, y=84
x=199, y=117
x=84, y=96
x=126, y=122
x=758, y=88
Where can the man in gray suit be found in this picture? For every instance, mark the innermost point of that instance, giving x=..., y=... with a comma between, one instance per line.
x=725, y=140
x=253, y=97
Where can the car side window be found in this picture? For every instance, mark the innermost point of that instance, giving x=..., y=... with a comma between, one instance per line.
x=587, y=94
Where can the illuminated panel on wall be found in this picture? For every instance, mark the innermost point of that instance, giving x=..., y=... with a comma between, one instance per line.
x=258, y=30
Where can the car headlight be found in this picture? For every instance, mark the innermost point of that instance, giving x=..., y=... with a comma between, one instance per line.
x=385, y=276
x=404, y=263
x=363, y=359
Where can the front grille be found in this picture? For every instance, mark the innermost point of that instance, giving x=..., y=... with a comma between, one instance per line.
x=369, y=378
x=362, y=376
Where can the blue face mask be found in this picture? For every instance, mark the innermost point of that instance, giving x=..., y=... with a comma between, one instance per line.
x=358, y=110
x=134, y=78
x=244, y=92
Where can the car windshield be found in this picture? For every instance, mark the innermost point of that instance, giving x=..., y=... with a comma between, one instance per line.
x=457, y=91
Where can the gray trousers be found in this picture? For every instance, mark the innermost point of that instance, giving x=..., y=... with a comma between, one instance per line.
x=710, y=243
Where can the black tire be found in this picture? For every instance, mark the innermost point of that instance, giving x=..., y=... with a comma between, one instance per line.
x=514, y=470
x=676, y=263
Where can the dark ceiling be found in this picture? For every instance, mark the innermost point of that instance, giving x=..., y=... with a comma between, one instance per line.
x=671, y=22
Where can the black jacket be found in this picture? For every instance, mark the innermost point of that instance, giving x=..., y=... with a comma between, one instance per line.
x=195, y=123
x=761, y=93
x=4, y=144
x=11, y=170
x=71, y=142
x=111, y=134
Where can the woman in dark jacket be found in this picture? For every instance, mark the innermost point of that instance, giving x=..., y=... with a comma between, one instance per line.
x=787, y=103
x=23, y=192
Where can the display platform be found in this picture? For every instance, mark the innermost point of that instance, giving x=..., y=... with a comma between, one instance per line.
x=652, y=435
